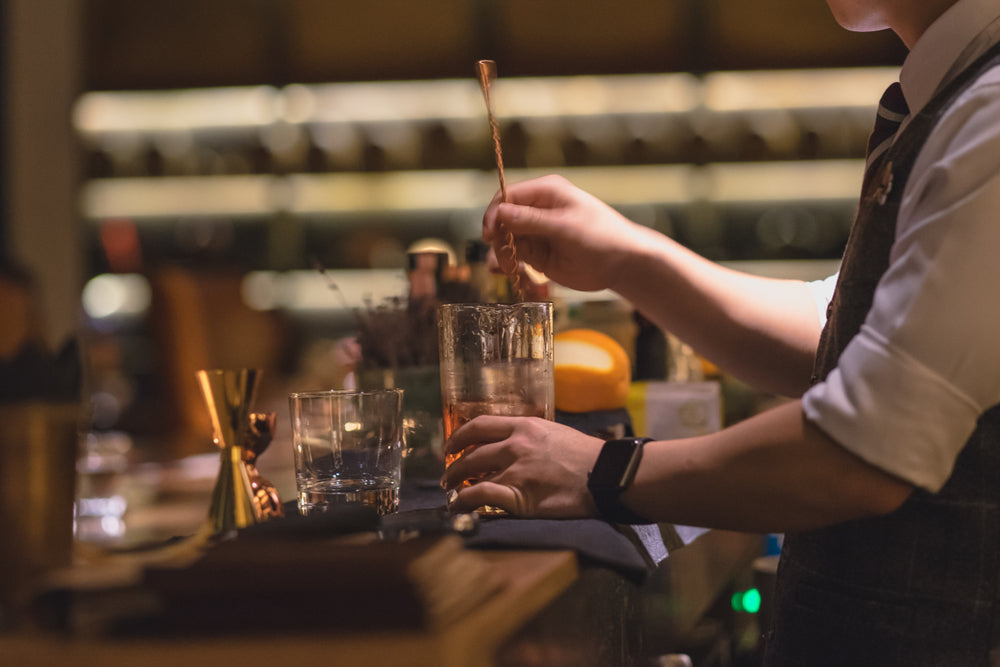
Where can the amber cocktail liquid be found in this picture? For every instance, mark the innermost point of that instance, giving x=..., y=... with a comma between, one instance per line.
x=496, y=359
x=458, y=412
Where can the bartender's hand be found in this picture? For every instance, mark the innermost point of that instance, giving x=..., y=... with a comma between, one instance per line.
x=533, y=467
x=569, y=235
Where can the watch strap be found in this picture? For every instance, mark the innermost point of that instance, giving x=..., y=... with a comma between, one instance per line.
x=607, y=499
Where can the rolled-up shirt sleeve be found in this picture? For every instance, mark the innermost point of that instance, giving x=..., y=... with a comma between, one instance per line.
x=893, y=412
x=909, y=388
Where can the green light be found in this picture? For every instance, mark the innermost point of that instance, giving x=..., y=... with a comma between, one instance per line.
x=751, y=601
x=746, y=601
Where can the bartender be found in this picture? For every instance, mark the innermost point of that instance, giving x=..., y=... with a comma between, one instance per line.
x=884, y=468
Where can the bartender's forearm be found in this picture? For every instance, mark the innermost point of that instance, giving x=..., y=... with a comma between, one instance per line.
x=773, y=472
x=761, y=330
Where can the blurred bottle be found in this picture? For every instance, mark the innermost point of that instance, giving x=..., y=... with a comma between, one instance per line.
x=425, y=271
x=652, y=353
x=685, y=364
x=434, y=277
x=456, y=286
x=487, y=285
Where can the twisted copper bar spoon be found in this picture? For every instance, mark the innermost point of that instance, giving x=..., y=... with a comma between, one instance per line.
x=486, y=71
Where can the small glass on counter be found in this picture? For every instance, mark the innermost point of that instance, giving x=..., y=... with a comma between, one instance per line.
x=348, y=448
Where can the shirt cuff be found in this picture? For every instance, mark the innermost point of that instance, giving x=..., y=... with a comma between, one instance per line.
x=822, y=293
x=892, y=411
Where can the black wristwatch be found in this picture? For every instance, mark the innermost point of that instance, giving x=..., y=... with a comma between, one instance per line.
x=613, y=472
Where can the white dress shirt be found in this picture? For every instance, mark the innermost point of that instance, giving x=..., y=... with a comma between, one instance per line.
x=908, y=389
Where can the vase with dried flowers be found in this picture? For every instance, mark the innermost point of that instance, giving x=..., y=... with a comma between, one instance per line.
x=399, y=349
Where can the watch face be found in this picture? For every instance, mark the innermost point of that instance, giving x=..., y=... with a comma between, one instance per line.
x=609, y=471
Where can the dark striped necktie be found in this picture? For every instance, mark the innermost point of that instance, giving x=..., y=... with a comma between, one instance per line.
x=892, y=110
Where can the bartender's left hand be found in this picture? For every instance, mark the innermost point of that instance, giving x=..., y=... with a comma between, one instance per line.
x=533, y=467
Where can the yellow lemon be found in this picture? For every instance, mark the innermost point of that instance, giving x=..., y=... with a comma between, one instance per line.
x=592, y=371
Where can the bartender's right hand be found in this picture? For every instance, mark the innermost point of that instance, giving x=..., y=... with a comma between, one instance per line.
x=568, y=234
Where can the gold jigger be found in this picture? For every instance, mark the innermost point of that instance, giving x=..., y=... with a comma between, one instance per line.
x=235, y=500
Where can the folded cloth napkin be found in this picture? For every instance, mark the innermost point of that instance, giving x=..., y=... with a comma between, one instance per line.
x=633, y=551
x=596, y=542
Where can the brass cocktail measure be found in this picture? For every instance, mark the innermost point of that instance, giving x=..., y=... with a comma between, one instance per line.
x=241, y=497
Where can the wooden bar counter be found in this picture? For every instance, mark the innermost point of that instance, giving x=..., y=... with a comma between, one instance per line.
x=532, y=579
x=573, y=593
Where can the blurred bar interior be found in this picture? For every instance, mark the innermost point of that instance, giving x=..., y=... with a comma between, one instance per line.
x=174, y=173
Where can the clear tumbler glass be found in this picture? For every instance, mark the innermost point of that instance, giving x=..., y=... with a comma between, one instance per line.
x=348, y=448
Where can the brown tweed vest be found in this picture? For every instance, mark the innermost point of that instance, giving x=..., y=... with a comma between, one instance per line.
x=917, y=586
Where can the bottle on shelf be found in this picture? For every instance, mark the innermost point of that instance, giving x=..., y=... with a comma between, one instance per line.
x=485, y=284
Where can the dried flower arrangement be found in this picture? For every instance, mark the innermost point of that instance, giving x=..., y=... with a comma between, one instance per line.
x=398, y=333
x=401, y=332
